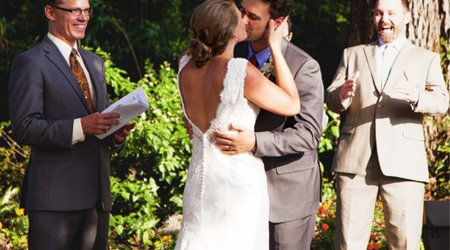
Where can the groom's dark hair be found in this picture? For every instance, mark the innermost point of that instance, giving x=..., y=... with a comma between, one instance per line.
x=279, y=8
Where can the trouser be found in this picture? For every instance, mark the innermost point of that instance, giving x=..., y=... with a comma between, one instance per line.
x=68, y=230
x=402, y=206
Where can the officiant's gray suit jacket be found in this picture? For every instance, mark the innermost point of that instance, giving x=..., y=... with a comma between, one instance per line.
x=60, y=176
x=288, y=145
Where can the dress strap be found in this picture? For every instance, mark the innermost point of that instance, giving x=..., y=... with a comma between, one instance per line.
x=183, y=61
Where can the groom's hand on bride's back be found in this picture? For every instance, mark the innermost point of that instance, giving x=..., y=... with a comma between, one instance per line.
x=238, y=139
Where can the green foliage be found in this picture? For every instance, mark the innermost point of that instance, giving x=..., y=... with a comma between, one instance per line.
x=145, y=29
x=439, y=159
x=330, y=134
x=438, y=143
x=329, y=138
x=17, y=33
x=13, y=225
x=445, y=58
x=165, y=243
x=149, y=173
x=134, y=220
x=13, y=158
x=321, y=28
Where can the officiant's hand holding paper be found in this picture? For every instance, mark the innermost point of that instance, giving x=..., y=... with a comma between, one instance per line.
x=128, y=107
x=97, y=124
x=123, y=132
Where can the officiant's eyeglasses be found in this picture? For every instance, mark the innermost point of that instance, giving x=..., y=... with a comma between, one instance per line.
x=77, y=12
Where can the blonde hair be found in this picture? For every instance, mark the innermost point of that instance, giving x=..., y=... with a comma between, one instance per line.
x=212, y=25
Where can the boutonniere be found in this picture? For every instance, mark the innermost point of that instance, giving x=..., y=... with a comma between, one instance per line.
x=267, y=68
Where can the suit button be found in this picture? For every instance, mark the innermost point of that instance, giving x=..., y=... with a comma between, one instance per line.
x=379, y=106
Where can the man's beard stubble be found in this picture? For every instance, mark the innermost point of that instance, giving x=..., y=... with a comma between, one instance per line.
x=390, y=37
x=257, y=38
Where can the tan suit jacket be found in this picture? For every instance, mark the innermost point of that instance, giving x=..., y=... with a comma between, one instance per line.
x=376, y=119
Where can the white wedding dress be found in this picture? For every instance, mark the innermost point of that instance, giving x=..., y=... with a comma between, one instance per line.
x=225, y=204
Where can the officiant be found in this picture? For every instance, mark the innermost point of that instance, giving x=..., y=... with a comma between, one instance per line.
x=56, y=93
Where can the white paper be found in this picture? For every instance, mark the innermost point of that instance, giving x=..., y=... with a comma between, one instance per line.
x=129, y=107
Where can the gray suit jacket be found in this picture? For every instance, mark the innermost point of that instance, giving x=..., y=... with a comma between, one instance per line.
x=288, y=145
x=45, y=98
x=376, y=118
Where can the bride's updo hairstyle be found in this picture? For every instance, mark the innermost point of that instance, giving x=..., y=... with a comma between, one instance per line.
x=212, y=25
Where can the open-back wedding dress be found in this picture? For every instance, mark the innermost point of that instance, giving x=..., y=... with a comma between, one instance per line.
x=225, y=203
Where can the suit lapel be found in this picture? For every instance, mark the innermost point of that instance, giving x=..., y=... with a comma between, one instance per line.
x=55, y=56
x=398, y=68
x=370, y=53
x=284, y=44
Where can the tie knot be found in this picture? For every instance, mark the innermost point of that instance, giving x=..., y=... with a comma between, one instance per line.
x=74, y=52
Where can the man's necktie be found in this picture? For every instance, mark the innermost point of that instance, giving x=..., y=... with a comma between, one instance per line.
x=389, y=55
x=81, y=78
x=254, y=61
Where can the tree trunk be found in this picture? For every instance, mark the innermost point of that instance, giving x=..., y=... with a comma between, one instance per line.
x=430, y=29
x=361, y=23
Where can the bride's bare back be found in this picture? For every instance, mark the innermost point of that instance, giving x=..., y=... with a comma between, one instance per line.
x=200, y=90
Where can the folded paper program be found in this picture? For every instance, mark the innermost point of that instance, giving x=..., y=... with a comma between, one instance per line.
x=129, y=107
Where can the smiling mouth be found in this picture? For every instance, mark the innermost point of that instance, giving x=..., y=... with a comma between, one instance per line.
x=385, y=28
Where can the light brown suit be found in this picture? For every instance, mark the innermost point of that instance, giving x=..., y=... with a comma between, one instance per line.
x=387, y=129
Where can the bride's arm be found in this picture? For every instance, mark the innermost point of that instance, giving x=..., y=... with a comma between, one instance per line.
x=281, y=98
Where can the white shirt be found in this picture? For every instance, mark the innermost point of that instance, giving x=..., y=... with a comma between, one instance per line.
x=398, y=43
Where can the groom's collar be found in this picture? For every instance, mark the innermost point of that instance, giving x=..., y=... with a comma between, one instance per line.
x=261, y=56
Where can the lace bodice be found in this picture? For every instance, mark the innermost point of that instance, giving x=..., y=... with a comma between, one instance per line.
x=233, y=107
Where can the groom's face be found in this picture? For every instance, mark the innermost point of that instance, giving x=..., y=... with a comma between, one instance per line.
x=258, y=17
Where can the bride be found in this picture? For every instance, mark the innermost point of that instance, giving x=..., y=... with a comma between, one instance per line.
x=225, y=203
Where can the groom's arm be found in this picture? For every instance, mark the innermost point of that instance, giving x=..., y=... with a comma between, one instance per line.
x=302, y=132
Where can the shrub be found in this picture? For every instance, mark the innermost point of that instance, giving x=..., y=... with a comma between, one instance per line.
x=149, y=173
x=13, y=223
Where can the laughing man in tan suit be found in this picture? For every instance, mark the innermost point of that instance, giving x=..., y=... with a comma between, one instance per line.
x=381, y=148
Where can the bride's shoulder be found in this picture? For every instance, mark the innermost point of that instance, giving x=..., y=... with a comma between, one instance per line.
x=238, y=63
x=239, y=60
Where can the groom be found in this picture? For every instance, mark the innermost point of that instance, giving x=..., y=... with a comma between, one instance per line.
x=287, y=145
